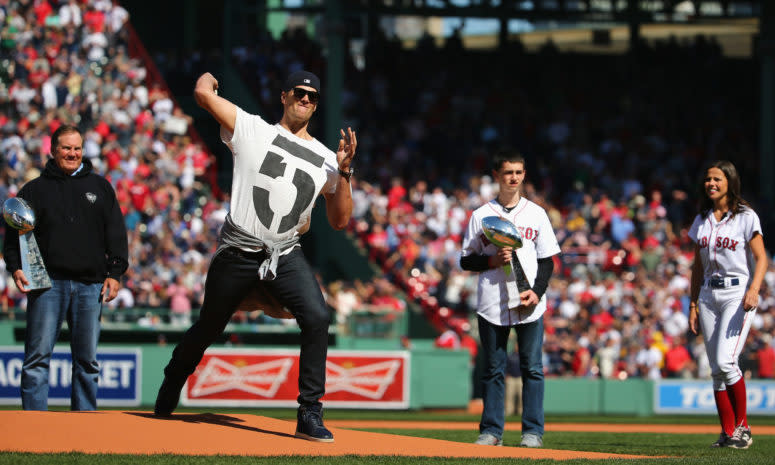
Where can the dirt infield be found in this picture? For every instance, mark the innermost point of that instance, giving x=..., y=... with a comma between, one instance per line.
x=115, y=432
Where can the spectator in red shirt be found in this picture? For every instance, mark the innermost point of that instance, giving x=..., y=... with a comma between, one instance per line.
x=678, y=362
x=448, y=340
x=384, y=297
x=103, y=129
x=94, y=19
x=38, y=74
x=396, y=193
x=140, y=193
x=113, y=157
x=602, y=319
x=196, y=156
x=377, y=242
x=42, y=9
x=581, y=361
x=765, y=357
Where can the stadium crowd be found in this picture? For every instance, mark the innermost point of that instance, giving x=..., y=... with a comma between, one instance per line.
x=608, y=143
x=67, y=62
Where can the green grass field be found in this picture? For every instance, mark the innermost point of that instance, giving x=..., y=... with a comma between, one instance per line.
x=683, y=448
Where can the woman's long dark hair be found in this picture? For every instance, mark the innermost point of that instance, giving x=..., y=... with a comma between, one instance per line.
x=735, y=201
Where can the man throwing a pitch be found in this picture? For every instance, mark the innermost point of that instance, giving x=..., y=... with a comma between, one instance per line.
x=501, y=305
x=279, y=170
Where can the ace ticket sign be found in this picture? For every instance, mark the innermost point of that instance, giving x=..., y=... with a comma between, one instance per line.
x=269, y=378
x=119, y=379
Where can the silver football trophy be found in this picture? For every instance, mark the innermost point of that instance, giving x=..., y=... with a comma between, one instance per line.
x=19, y=215
x=503, y=233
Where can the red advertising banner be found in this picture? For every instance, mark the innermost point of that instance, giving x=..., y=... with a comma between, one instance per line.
x=269, y=378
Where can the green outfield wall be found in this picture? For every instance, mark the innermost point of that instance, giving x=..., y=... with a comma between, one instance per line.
x=438, y=378
x=442, y=379
x=582, y=396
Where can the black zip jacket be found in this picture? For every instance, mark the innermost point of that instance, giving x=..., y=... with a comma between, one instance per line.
x=78, y=226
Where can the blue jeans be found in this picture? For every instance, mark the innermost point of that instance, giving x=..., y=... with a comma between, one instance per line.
x=46, y=310
x=494, y=339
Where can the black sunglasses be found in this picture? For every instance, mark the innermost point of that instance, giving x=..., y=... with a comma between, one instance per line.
x=299, y=93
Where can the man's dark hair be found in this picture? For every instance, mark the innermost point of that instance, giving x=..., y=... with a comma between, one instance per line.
x=506, y=154
x=61, y=131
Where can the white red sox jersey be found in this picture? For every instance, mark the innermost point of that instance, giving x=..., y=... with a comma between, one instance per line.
x=277, y=177
x=497, y=294
x=723, y=244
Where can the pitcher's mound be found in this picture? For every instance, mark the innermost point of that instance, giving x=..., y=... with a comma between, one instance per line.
x=114, y=432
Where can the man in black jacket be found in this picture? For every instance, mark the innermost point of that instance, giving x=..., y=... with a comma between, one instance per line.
x=80, y=231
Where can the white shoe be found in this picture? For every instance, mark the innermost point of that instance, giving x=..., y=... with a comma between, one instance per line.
x=487, y=439
x=531, y=440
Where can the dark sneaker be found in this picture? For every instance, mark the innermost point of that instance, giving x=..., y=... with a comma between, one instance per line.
x=168, y=397
x=740, y=439
x=722, y=439
x=309, y=424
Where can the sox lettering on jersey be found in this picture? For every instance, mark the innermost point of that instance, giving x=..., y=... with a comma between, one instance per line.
x=721, y=243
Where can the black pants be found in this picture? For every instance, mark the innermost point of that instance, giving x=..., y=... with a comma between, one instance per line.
x=232, y=274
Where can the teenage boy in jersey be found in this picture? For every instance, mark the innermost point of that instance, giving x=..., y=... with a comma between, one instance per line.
x=279, y=170
x=500, y=304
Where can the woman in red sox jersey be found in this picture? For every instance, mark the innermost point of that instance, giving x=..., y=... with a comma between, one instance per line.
x=724, y=292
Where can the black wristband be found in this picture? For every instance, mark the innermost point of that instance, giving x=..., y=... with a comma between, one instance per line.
x=346, y=174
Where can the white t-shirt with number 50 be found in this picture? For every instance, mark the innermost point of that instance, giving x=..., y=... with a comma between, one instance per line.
x=277, y=177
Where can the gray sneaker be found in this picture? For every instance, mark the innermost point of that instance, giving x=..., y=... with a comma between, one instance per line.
x=487, y=439
x=531, y=440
